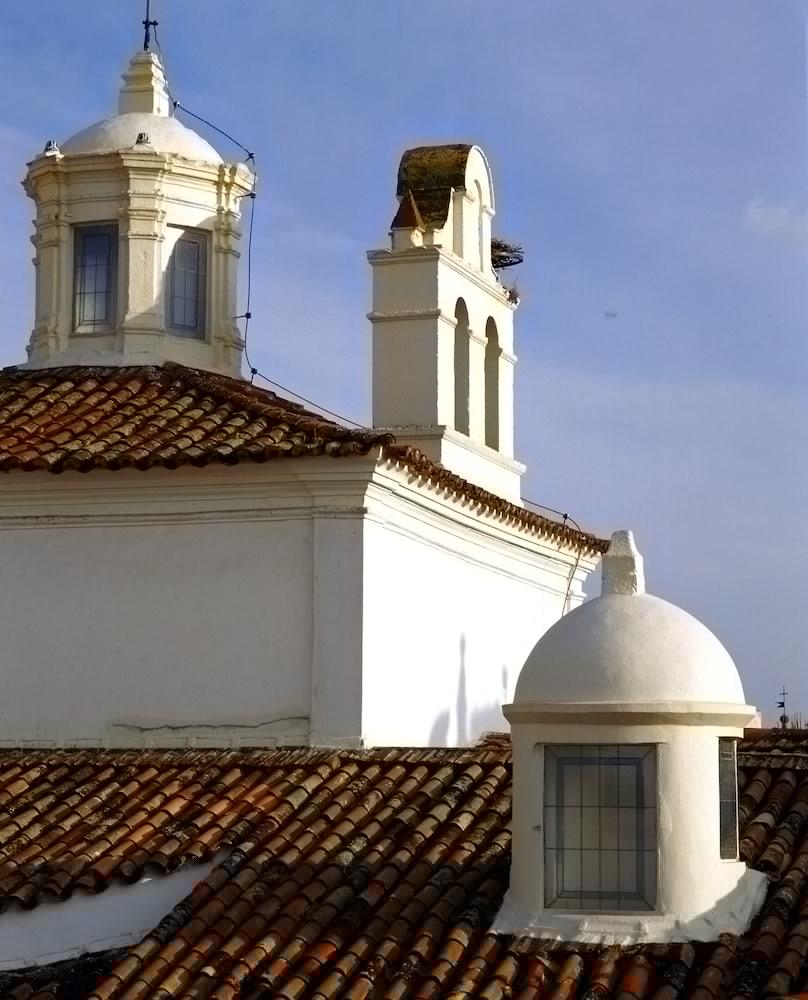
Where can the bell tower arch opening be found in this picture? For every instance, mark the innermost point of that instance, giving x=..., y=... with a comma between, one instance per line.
x=492, y=355
x=461, y=367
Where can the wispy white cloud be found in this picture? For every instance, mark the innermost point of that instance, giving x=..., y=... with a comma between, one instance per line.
x=783, y=220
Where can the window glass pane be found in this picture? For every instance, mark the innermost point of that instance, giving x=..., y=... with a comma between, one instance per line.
x=571, y=872
x=629, y=874
x=94, y=275
x=627, y=786
x=590, y=827
x=185, y=285
x=608, y=784
x=609, y=874
x=728, y=799
x=609, y=829
x=627, y=829
x=600, y=827
x=590, y=785
x=571, y=784
x=570, y=830
x=590, y=868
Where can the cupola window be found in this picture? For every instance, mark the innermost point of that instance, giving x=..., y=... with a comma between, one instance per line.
x=186, y=285
x=600, y=821
x=95, y=271
x=728, y=798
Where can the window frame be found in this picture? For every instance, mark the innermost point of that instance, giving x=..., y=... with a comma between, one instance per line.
x=80, y=233
x=595, y=830
x=199, y=331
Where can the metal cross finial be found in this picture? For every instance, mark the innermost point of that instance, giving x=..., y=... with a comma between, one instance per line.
x=782, y=704
x=148, y=24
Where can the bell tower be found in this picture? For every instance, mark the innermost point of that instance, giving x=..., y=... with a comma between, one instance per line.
x=136, y=239
x=443, y=361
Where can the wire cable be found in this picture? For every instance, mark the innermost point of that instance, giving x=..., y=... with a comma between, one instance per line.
x=181, y=107
x=247, y=314
x=310, y=402
x=570, y=582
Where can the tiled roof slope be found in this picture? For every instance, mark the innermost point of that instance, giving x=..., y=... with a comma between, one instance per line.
x=88, y=418
x=366, y=875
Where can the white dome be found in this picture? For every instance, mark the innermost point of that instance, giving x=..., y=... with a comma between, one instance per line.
x=627, y=646
x=166, y=135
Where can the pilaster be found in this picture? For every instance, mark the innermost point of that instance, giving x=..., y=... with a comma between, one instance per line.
x=141, y=234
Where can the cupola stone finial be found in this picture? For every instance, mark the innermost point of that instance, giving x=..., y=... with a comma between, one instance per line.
x=623, y=571
x=144, y=87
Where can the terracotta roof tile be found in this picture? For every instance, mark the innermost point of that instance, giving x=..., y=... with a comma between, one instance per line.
x=94, y=417
x=91, y=418
x=370, y=874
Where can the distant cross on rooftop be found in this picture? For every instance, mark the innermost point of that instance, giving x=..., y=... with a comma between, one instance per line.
x=782, y=705
x=148, y=24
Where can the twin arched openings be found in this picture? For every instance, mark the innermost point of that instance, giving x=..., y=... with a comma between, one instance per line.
x=462, y=377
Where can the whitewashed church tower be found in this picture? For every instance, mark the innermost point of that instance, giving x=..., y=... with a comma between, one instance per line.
x=137, y=233
x=443, y=360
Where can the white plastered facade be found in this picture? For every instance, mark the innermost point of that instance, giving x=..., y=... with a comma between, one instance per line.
x=152, y=190
x=331, y=602
x=458, y=412
x=627, y=668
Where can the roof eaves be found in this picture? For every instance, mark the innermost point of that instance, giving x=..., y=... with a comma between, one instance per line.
x=414, y=460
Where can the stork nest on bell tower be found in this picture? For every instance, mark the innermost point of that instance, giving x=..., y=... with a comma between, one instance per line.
x=505, y=254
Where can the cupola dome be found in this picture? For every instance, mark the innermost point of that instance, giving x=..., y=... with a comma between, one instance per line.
x=628, y=646
x=120, y=132
x=624, y=726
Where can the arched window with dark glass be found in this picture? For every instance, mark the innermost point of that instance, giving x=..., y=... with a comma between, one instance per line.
x=461, y=367
x=186, y=285
x=95, y=274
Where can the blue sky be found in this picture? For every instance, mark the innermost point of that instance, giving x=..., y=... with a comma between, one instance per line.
x=651, y=158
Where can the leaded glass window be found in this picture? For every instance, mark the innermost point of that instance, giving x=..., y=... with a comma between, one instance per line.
x=186, y=285
x=95, y=271
x=600, y=827
x=728, y=798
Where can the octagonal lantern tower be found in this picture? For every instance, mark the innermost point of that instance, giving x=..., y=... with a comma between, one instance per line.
x=137, y=235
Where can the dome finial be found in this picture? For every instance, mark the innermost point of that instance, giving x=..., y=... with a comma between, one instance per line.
x=623, y=571
x=144, y=87
x=148, y=24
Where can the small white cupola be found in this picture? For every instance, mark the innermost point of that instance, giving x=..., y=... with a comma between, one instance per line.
x=136, y=235
x=443, y=361
x=624, y=726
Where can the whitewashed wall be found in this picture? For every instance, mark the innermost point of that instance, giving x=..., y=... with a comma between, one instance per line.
x=324, y=601
x=453, y=607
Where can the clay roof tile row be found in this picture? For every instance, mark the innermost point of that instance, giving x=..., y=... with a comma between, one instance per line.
x=361, y=874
